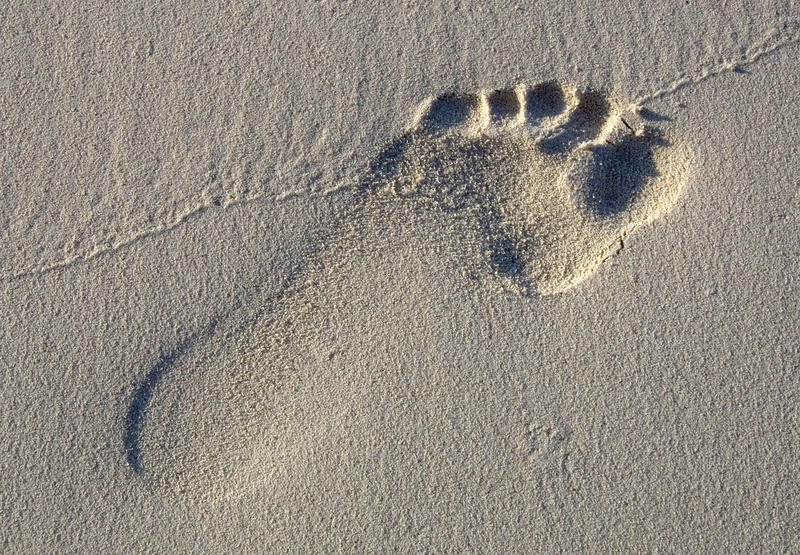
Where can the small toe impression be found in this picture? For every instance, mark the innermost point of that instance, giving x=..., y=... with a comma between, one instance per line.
x=584, y=123
x=450, y=111
x=504, y=106
x=618, y=173
x=544, y=101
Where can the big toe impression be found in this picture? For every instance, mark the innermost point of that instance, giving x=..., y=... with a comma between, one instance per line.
x=630, y=181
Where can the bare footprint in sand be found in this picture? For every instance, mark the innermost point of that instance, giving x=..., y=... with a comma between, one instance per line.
x=548, y=180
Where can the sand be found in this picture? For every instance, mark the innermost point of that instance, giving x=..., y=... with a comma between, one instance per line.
x=465, y=277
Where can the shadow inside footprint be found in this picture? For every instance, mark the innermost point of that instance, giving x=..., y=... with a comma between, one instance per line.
x=385, y=165
x=619, y=171
x=449, y=111
x=137, y=410
x=506, y=258
x=503, y=105
x=649, y=115
x=544, y=101
x=584, y=124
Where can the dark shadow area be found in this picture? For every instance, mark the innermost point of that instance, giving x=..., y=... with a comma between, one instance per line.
x=619, y=171
x=384, y=166
x=650, y=115
x=504, y=255
x=584, y=123
x=449, y=110
x=137, y=411
x=544, y=101
x=503, y=105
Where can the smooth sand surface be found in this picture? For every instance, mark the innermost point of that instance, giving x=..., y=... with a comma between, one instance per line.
x=461, y=277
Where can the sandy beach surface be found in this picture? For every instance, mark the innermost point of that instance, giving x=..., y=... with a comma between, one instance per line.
x=452, y=276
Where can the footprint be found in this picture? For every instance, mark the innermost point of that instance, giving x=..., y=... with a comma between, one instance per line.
x=549, y=180
x=558, y=177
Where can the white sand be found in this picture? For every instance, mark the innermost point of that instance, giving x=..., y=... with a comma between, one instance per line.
x=269, y=286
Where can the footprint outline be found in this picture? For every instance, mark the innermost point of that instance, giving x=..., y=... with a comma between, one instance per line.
x=448, y=156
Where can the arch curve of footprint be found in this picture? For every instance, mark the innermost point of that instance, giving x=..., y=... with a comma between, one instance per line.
x=550, y=179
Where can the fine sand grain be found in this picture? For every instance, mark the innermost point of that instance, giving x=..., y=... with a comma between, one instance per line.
x=460, y=277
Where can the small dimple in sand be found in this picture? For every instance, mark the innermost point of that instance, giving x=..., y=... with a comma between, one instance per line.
x=547, y=181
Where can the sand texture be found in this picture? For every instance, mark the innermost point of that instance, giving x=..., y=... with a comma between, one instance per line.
x=460, y=277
